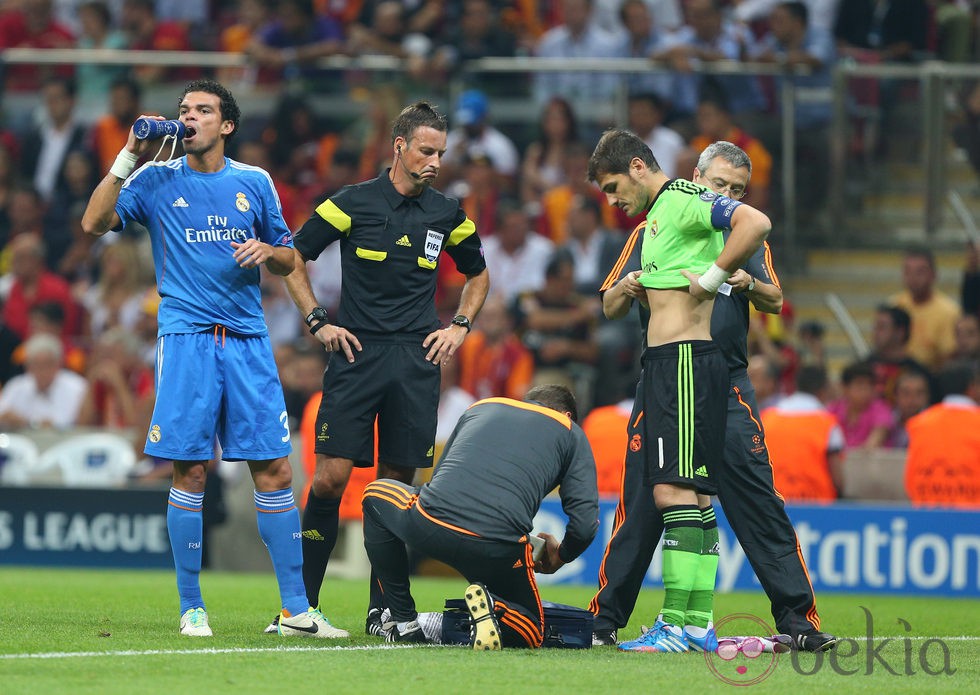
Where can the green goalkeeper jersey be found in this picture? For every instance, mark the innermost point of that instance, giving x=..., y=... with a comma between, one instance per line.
x=683, y=232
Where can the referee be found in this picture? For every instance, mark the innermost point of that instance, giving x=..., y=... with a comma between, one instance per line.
x=386, y=344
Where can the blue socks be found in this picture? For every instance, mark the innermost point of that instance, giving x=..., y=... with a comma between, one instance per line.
x=185, y=526
x=279, y=527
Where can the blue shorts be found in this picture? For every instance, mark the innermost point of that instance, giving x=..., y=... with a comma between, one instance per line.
x=213, y=385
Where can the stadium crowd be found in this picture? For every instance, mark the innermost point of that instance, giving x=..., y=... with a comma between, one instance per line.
x=78, y=322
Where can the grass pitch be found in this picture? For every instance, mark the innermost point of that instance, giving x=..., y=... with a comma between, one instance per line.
x=107, y=632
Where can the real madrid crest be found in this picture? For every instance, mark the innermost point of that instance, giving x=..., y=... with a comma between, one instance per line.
x=241, y=202
x=155, y=434
x=653, y=228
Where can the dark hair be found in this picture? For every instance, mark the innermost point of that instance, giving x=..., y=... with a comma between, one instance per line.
x=616, y=149
x=227, y=104
x=568, y=110
x=652, y=98
x=66, y=83
x=798, y=10
x=148, y=5
x=811, y=379
x=100, y=9
x=899, y=318
x=957, y=377
x=421, y=114
x=586, y=203
x=52, y=311
x=923, y=252
x=716, y=98
x=857, y=370
x=507, y=205
x=305, y=7
x=812, y=328
x=628, y=3
x=559, y=259
x=556, y=397
x=130, y=85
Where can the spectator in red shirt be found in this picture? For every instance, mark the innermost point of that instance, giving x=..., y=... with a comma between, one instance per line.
x=120, y=386
x=145, y=33
x=33, y=284
x=33, y=26
x=493, y=361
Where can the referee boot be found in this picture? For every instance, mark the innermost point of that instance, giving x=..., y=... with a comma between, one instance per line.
x=410, y=633
x=373, y=625
x=484, y=628
x=814, y=641
x=604, y=638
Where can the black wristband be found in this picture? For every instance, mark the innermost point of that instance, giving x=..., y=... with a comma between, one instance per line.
x=317, y=326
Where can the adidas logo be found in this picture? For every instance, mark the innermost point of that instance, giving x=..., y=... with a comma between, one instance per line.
x=313, y=535
x=403, y=241
x=702, y=471
x=180, y=203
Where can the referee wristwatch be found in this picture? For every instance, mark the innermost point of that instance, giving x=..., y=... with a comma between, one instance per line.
x=751, y=284
x=460, y=320
x=317, y=319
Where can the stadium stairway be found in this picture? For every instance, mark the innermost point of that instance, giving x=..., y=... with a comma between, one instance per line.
x=862, y=279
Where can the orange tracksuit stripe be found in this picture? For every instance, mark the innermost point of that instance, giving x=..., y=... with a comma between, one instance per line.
x=624, y=255
x=617, y=523
x=738, y=394
x=530, y=632
x=553, y=414
x=770, y=268
x=389, y=493
x=532, y=580
x=394, y=490
x=401, y=504
x=458, y=529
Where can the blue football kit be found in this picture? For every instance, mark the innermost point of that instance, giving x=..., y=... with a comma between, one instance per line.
x=215, y=373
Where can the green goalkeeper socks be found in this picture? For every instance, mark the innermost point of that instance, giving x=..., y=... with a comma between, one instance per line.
x=700, y=603
x=683, y=538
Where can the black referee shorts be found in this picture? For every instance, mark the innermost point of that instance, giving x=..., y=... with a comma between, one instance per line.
x=684, y=388
x=391, y=381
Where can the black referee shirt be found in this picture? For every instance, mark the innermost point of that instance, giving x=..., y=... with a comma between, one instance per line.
x=390, y=246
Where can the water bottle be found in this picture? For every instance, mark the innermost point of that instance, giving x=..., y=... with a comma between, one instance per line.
x=152, y=129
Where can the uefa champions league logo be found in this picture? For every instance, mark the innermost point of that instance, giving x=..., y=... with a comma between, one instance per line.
x=742, y=661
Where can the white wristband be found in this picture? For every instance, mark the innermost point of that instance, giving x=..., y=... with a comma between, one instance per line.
x=713, y=277
x=124, y=164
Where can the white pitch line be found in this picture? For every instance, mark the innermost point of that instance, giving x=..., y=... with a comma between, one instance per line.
x=898, y=638
x=361, y=648
x=230, y=650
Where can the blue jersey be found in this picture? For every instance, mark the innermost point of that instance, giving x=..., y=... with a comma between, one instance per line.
x=192, y=218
